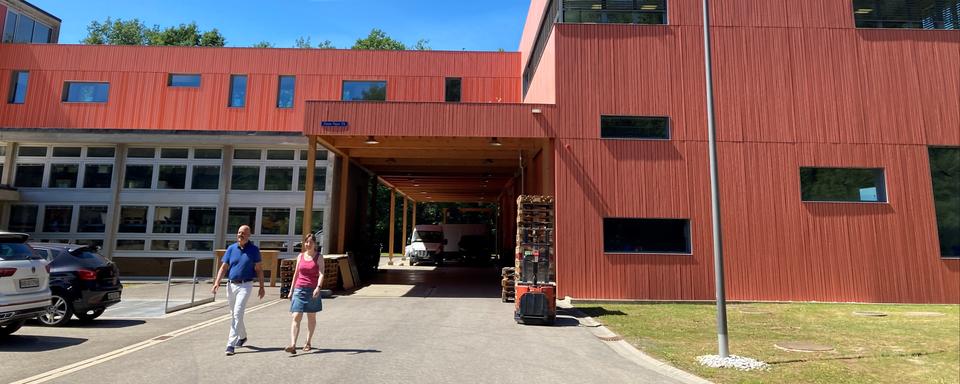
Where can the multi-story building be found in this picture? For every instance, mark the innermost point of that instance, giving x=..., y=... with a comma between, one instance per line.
x=838, y=129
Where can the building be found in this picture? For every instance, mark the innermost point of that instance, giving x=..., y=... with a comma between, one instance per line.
x=838, y=140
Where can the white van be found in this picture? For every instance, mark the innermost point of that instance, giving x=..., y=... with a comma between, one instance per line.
x=426, y=245
x=24, y=282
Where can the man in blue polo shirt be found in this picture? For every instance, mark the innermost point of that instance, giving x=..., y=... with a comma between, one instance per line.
x=242, y=260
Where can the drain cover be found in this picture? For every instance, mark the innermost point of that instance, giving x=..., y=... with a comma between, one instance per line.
x=802, y=346
x=869, y=313
x=924, y=314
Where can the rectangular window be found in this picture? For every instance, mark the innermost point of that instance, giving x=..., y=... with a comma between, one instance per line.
x=273, y=245
x=241, y=216
x=23, y=218
x=133, y=219
x=41, y=33
x=164, y=245
x=452, y=92
x=622, y=235
x=275, y=221
x=141, y=153
x=90, y=242
x=172, y=177
x=615, y=12
x=246, y=154
x=138, y=176
x=92, y=219
x=130, y=245
x=24, y=32
x=177, y=80
x=201, y=219
x=66, y=151
x=97, y=175
x=18, y=87
x=278, y=179
x=167, y=219
x=945, y=172
x=206, y=177
x=238, y=91
x=316, y=221
x=101, y=151
x=319, y=179
x=917, y=14
x=199, y=245
x=634, y=127
x=174, y=153
x=842, y=184
x=63, y=176
x=29, y=176
x=321, y=155
x=285, y=90
x=280, y=154
x=32, y=151
x=9, y=27
x=245, y=178
x=85, y=92
x=364, y=90
x=57, y=218
x=207, y=153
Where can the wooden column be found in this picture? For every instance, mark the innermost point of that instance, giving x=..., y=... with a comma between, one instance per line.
x=393, y=229
x=546, y=168
x=414, y=224
x=342, y=190
x=306, y=226
x=403, y=231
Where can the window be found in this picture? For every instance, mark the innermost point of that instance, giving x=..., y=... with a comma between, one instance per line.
x=23, y=218
x=138, y=176
x=634, y=127
x=275, y=221
x=842, y=184
x=141, y=153
x=364, y=91
x=29, y=176
x=100, y=151
x=167, y=219
x=917, y=14
x=316, y=221
x=207, y=153
x=238, y=91
x=285, y=90
x=9, y=27
x=57, y=218
x=199, y=245
x=85, y=92
x=133, y=219
x=241, y=216
x=32, y=151
x=452, y=92
x=172, y=177
x=246, y=154
x=321, y=155
x=278, y=179
x=66, y=151
x=615, y=12
x=280, y=154
x=201, y=219
x=130, y=245
x=206, y=177
x=24, y=29
x=91, y=242
x=164, y=245
x=183, y=80
x=173, y=153
x=97, y=175
x=945, y=172
x=245, y=178
x=622, y=235
x=18, y=87
x=63, y=176
x=92, y=218
x=24, y=33
x=319, y=179
x=41, y=33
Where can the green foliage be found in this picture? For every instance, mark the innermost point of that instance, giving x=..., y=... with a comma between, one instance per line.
x=263, y=44
x=302, y=42
x=326, y=44
x=377, y=39
x=422, y=45
x=134, y=32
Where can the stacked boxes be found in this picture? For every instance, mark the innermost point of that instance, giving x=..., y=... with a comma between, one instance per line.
x=286, y=277
x=535, y=264
x=509, y=284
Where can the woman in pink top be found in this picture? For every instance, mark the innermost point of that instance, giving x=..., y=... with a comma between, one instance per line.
x=305, y=298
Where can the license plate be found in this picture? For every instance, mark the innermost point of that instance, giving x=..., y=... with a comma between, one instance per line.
x=113, y=295
x=29, y=283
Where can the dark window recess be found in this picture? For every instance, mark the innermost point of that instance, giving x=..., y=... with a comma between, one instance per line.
x=97, y=175
x=321, y=155
x=32, y=151
x=81, y=92
x=18, y=87
x=634, y=127
x=615, y=11
x=183, y=80
x=945, y=172
x=201, y=219
x=92, y=218
x=646, y=235
x=63, y=176
x=138, y=176
x=246, y=154
x=206, y=177
x=319, y=179
x=100, y=152
x=285, y=89
x=364, y=90
x=452, y=93
x=173, y=153
x=207, y=153
x=842, y=184
x=915, y=14
x=172, y=177
x=238, y=91
x=245, y=178
x=66, y=151
x=241, y=216
x=29, y=176
x=57, y=218
x=141, y=153
x=23, y=218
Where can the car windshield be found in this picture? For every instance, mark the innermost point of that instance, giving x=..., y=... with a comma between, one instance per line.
x=15, y=251
x=428, y=236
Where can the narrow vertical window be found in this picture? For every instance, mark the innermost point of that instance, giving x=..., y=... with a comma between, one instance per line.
x=453, y=90
x=285, y=90
x=945, y=174
x=238, y=91
x=18, y=87
x=9, y=27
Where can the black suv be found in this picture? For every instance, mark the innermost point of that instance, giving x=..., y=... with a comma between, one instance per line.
x=82, y=282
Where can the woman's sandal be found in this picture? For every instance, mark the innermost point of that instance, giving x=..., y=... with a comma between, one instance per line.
x=291, y=349
x=307, y=347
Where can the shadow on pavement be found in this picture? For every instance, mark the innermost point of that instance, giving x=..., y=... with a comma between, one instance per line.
x=23, y=343
x=105, y=323
x=566, y=321
x=256, y=349
x=337, y=350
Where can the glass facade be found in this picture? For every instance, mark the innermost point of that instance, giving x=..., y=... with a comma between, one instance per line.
x=238, y=91
x=285, y=91
x=18, y=87
x=615, y=11
x=945, y=174
x=19, y=28
x=916, y=14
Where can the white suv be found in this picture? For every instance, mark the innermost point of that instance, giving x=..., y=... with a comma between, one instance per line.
x=24, y=282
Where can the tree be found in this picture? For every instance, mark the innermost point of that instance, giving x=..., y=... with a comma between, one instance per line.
x=134, y=32
x=302, y=42
x=326, y=44
x=422, y=45
x=377, y=39
x=212, y=38
x=263, y=44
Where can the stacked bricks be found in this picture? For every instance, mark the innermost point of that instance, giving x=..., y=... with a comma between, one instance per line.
x=535, y=236
x=509, y=284
x=331, y=274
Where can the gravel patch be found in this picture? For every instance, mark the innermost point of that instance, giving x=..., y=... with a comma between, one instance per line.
x=739, y=363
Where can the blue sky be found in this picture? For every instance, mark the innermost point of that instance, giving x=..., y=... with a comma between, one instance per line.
x=473, y=25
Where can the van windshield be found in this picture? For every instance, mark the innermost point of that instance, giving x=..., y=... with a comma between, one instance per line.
x=428, y=236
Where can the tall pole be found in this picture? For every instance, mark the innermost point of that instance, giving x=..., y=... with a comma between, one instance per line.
x=714, y=190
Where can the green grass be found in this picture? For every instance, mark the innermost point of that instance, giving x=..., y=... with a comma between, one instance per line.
x=892, y=349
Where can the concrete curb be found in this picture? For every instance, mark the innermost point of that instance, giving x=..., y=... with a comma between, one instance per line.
x=627, y=350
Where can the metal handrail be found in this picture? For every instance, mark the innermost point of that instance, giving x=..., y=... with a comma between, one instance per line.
x=193, y=302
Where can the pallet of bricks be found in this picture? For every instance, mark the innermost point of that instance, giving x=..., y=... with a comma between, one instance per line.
x=535, y=234
x=331, y=277
x=509, y=284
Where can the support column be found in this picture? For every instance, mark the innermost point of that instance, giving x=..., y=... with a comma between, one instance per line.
x=113, y=210
x=342, y=189
x=403, y=231
x=546, y=168
x=306, y=225
x=223, y=203
x=393, y=224
x=9, y=161
x=414, y=224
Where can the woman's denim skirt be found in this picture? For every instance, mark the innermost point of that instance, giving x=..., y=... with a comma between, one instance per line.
x=303, y=301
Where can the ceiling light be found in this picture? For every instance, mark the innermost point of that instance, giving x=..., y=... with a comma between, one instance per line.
x=423, y=192
x=862, y=11
x=648, y=7
x=495, y=142
x=371, y=140
x=416, y=185
x=536, y=110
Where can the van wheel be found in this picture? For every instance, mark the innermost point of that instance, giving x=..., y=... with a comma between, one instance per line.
x=58, y=314
x=9, y=328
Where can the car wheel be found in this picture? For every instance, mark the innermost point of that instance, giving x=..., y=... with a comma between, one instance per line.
x=90, y=315
x=58, y=314
x=11, y=327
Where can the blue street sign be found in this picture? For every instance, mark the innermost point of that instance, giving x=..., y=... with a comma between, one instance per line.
x=333, y=124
